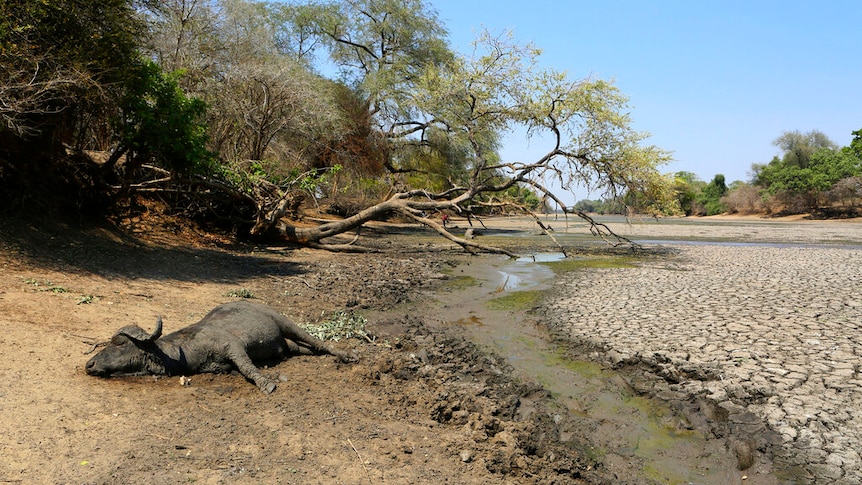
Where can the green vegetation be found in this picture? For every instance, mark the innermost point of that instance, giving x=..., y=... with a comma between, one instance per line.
x=45, y=286
x=574, y=264
x=516, y=300
x=158, y=123
x=240, y=293
x=601, y=206
x=222, y=113
x=339, y=326
x=812, y=174
x=586, y=368
x=457, y=283
x=710, y=196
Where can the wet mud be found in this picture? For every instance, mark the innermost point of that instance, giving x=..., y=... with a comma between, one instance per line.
x=635, y=438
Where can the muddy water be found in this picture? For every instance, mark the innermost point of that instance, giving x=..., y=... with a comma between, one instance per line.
x=637, y=439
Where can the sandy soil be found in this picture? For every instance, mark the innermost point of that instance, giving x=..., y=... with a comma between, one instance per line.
x=420, y=406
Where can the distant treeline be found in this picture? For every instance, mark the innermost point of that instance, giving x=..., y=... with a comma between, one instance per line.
x=812, y=175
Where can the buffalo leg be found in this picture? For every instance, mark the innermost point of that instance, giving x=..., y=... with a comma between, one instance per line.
x=247, y=368
x=292, y=331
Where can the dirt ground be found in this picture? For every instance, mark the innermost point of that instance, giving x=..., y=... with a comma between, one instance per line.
x=422, y=405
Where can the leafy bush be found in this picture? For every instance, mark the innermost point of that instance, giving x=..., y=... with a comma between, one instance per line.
x=338, y=327
x=710, y=196
x=159, y=123
x=240, y=293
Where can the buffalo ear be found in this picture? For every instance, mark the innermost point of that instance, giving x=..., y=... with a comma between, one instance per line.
x=138, y=334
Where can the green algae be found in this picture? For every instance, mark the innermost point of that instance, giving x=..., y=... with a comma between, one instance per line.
x=584, y=368
x=457, y=283
x=654, y=427
x=574, y=264
x=516, y=300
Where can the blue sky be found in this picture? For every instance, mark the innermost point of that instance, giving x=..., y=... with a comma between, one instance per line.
x=714, y=82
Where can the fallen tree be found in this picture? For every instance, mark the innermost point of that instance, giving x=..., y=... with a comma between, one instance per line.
x=468, y=103
x=471, y=101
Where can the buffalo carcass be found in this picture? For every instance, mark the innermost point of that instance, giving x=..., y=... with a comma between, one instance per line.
x=233, y=336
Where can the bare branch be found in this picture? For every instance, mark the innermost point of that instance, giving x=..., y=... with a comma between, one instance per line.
x=602, y=230
x=596, y=228
x=27, y=93
x=467, y=244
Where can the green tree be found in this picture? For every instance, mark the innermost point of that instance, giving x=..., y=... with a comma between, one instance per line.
x=798, y=148
x=844, y=169
x=501, y=87
x=711, y=194
x=63, y=65
x=855, y=147
x=586, y=205
x=382, y=47
x=264, y=104
x=687, y=186
x=158, y=123
x=809, y=165
x=802, y=188
x=404, y=101
x=185, y=35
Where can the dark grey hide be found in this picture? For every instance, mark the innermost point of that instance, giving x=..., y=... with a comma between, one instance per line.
x=233, y=336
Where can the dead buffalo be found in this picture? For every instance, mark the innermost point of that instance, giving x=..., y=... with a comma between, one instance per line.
x=233, y=336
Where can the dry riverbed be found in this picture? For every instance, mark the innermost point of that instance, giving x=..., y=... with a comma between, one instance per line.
x=425, y=404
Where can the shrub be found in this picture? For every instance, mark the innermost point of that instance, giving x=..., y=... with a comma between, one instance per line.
x=745, y=199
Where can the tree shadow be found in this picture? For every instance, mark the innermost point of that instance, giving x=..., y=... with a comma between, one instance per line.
x=106, y=251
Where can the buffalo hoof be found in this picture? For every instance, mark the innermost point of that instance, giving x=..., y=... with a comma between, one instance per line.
x=346, y=358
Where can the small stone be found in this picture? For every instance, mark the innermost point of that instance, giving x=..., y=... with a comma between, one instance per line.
x=466, y=456
x=744, y=453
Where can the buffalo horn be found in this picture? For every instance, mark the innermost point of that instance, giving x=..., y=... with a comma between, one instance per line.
x=138, y=334
x=157, y=332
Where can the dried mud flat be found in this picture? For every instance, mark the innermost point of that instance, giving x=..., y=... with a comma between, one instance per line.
x=757, y=334
x=420, y=406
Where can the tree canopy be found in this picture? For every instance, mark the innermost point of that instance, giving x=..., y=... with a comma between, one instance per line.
x=811, y=165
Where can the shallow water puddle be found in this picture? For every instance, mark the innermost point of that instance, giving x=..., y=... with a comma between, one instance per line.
x=636, y=438
x=524, y=274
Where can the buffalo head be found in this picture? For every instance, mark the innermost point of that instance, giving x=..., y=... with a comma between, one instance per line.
x=129, y=352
